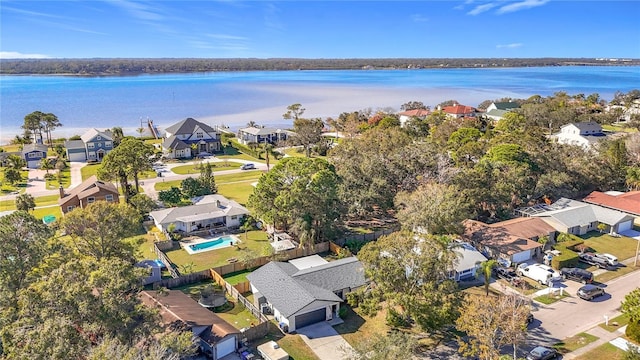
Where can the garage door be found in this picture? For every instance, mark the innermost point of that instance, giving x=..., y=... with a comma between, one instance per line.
x=77, y=156
x=311, y=318
x=225, y=347
x=33, y=164
x=625, y=226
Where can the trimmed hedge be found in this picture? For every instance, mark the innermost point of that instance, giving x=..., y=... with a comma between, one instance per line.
x=568, y=257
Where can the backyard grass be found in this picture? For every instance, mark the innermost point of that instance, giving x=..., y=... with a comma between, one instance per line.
x=52, y=183
x=92, y=169
x=621, y=321
x=40, y=201
x=195, y=168
x=42, y=212
x=256, y=241
x=575, y=342
x=238, y=191
x=604, y=351
x=144, y=249
x=237, y=277
x=237, y=314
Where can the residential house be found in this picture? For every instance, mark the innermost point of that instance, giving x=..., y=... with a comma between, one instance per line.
x=305, y=291
x=458, y=111
x=92, y=146
x=497, y=110
x=585, y=134
x=628, y=203
x=155, y=270
x=88, y=192
x=217, y=338
x=468, y=261
x=510, y=241
x=410, y=114
x=211, y=212
x=578, y=218
x=189, y=138
x=262, y=135
x=33, y=154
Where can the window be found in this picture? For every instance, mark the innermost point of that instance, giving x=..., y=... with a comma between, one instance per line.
x=70, y=207
x=234, y=217
x=108, y=144
x=108, y=197
x=91, y=145
x=34, y=154
x=199, y=135
x=98, y=137
x=91, y=200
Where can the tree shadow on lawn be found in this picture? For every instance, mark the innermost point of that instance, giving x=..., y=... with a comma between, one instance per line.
x=352, y=322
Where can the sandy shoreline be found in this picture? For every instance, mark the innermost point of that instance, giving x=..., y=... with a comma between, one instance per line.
x=319, y=101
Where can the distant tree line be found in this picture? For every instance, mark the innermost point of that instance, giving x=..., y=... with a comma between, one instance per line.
x=95, y=67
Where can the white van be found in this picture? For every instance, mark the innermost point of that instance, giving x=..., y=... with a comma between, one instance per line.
x=611, y=260
x=541, y=273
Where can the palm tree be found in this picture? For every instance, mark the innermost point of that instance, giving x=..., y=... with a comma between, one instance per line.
x=485, y=269
x=46, y=165
x=252, y=124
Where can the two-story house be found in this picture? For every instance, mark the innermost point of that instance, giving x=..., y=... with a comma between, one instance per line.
x=585, y=134
x=88, y=192
x=262, y=135
x=190, y=137
x=92, y=146
x=33, y=153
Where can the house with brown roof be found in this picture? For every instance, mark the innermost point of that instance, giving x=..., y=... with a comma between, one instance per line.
x=628, y=202
x=512, y=241
x=217, y=337
x=410, y=114
x=88, y=192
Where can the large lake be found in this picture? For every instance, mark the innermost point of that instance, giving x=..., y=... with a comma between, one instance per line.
x=235, y=98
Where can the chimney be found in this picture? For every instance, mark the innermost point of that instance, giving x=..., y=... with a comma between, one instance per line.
x=218, y=203
x=61, y=192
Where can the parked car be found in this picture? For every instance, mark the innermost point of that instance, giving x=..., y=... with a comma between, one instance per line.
x=542, y=353
x=577, y=274
x=248, y=166
x=540, y=273
x=592, y=259
x=588, y=292
x=504, y=273
x=611, y=260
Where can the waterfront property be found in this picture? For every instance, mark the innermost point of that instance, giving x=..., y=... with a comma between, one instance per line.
x=306, y=290
x=497, y=110
x=458, y=111
x=189, y=138
x=410, y=114
x=33, y=154
x=212, y=212
x=217, y=338
x=88, y=192
x=92, y=146
x=262, y=135
x=585, y=134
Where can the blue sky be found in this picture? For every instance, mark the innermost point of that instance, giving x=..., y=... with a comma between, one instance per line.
x=319, y=29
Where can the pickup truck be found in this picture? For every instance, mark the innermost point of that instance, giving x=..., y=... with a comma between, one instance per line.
x=577, y=274
x=592, y=259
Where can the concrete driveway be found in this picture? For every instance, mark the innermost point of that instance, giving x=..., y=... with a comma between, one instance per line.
x=325, y=341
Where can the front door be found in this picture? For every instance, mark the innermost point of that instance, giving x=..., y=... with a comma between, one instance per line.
x=100, y=154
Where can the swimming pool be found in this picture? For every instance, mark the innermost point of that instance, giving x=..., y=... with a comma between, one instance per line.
x=212, y=244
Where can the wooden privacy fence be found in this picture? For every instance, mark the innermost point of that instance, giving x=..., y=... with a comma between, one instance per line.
x=183, y=280
x=165, y=260
x=365, y=237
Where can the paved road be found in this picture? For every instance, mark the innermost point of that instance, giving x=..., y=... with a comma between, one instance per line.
x=573, y=315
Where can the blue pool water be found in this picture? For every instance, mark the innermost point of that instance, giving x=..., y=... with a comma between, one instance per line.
x=220, y=242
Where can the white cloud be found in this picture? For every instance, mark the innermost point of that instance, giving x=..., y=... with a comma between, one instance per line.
x=521, y=5
x=17, y=55
x=138, y=10
x=482, y=8
x=226, y=37
x=509, y=46
x=419, y=18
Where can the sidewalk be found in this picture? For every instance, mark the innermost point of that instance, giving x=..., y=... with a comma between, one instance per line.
x=604, y=337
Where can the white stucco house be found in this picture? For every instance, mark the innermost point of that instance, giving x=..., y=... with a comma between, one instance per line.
x=468, y=261
x=306, y=290
x=211, y=212
x=585, y=134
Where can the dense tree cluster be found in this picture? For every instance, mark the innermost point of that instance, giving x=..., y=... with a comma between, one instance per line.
x=155, y=66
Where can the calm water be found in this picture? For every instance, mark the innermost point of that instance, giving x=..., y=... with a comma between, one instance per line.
x=235, y=98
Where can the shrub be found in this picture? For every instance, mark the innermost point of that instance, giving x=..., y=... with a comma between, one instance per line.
x=354, y=298
x=568, y=256
x=633, y=330
x=370, y=306
x=342, y=312
x=395, y=319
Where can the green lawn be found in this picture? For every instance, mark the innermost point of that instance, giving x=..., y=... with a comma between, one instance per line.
x=256, y=241
x=53, y=183
x=91, y=169
x=575, y=342
x=296, y=348
x=622, y=247
x=40, y=201
x=20, y=186
x=12, y=147
x=550, y=299
x=237, y=314
x=238, y=191
x=618, y=128
x=237, y=277
x=621, y=321
x=617, y=272
x=241, y=156
x=242, y=177
x=42, y=212
x=604, y=351
x=195, y=168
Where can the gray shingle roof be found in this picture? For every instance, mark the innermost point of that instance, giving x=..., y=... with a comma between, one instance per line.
x=91, y=133
x=74, y=144
x=576, y=213
x=506, y=105
x=187, y=126
x=174, y=143
x=291, y=290
x=468, y=256
x=34, y=147
x=200, y=211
